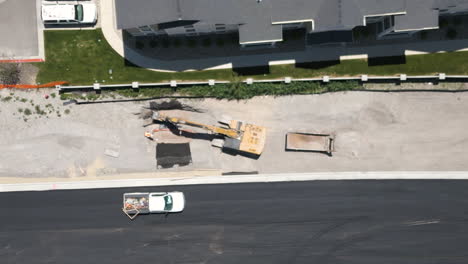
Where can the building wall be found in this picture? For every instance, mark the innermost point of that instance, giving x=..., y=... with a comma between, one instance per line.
x=201, y=28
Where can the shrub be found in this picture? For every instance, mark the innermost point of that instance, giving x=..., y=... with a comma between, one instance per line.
x=6, y=99
x=92, y=96
x=39, y=111
x=239, y=90
x=27, y=111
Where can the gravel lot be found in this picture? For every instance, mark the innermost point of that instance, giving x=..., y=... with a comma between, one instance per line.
x=374, y=132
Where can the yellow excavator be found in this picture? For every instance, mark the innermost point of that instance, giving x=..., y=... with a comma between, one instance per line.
x=238, y=136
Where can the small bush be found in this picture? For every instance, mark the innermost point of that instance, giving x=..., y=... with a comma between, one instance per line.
x=92, y=96
x=20, y=110
x=145, y=92
x=7, y=99
x=70, y=96
x=53, y=95
x=67, y=111
x=39, y=111
x=23, y=100
x=27, y=111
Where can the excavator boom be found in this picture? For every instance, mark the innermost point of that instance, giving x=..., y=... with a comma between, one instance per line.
x=218, y=130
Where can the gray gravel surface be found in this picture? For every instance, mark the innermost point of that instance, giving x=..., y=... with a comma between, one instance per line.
x=374, y=132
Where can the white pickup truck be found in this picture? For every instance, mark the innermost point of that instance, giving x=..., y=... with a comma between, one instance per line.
x=156, y=202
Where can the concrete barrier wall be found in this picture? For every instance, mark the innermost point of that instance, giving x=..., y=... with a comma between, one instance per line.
x=441, y=77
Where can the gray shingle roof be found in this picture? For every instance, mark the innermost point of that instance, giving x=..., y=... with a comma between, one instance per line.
x=258, y=19
x=417, y=17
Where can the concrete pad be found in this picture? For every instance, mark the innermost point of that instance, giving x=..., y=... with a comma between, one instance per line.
x=21, y=30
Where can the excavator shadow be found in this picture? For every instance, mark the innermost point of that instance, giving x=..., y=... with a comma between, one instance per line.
x=188, y=134
x=193, y=135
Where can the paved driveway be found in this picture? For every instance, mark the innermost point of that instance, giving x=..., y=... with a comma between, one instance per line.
x=20, y=30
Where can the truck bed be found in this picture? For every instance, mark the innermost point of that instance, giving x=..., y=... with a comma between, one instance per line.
x=136, y=203
x=309, y=142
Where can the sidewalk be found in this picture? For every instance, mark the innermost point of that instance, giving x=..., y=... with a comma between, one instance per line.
x=324, y=53
x=218, y=179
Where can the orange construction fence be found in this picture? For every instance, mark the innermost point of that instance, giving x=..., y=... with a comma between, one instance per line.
x=31, y=86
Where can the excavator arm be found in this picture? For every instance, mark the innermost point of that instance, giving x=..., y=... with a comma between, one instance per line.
x=218, y=130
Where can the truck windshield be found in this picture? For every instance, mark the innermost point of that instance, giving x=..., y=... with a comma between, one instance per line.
x=168, y=203
x=79, y=12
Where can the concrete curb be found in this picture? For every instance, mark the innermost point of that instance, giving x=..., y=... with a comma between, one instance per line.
x=258, y=178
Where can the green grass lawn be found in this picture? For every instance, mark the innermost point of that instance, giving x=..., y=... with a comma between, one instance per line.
x=83, y=57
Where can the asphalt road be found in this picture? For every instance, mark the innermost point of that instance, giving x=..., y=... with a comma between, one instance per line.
x=303, y=222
